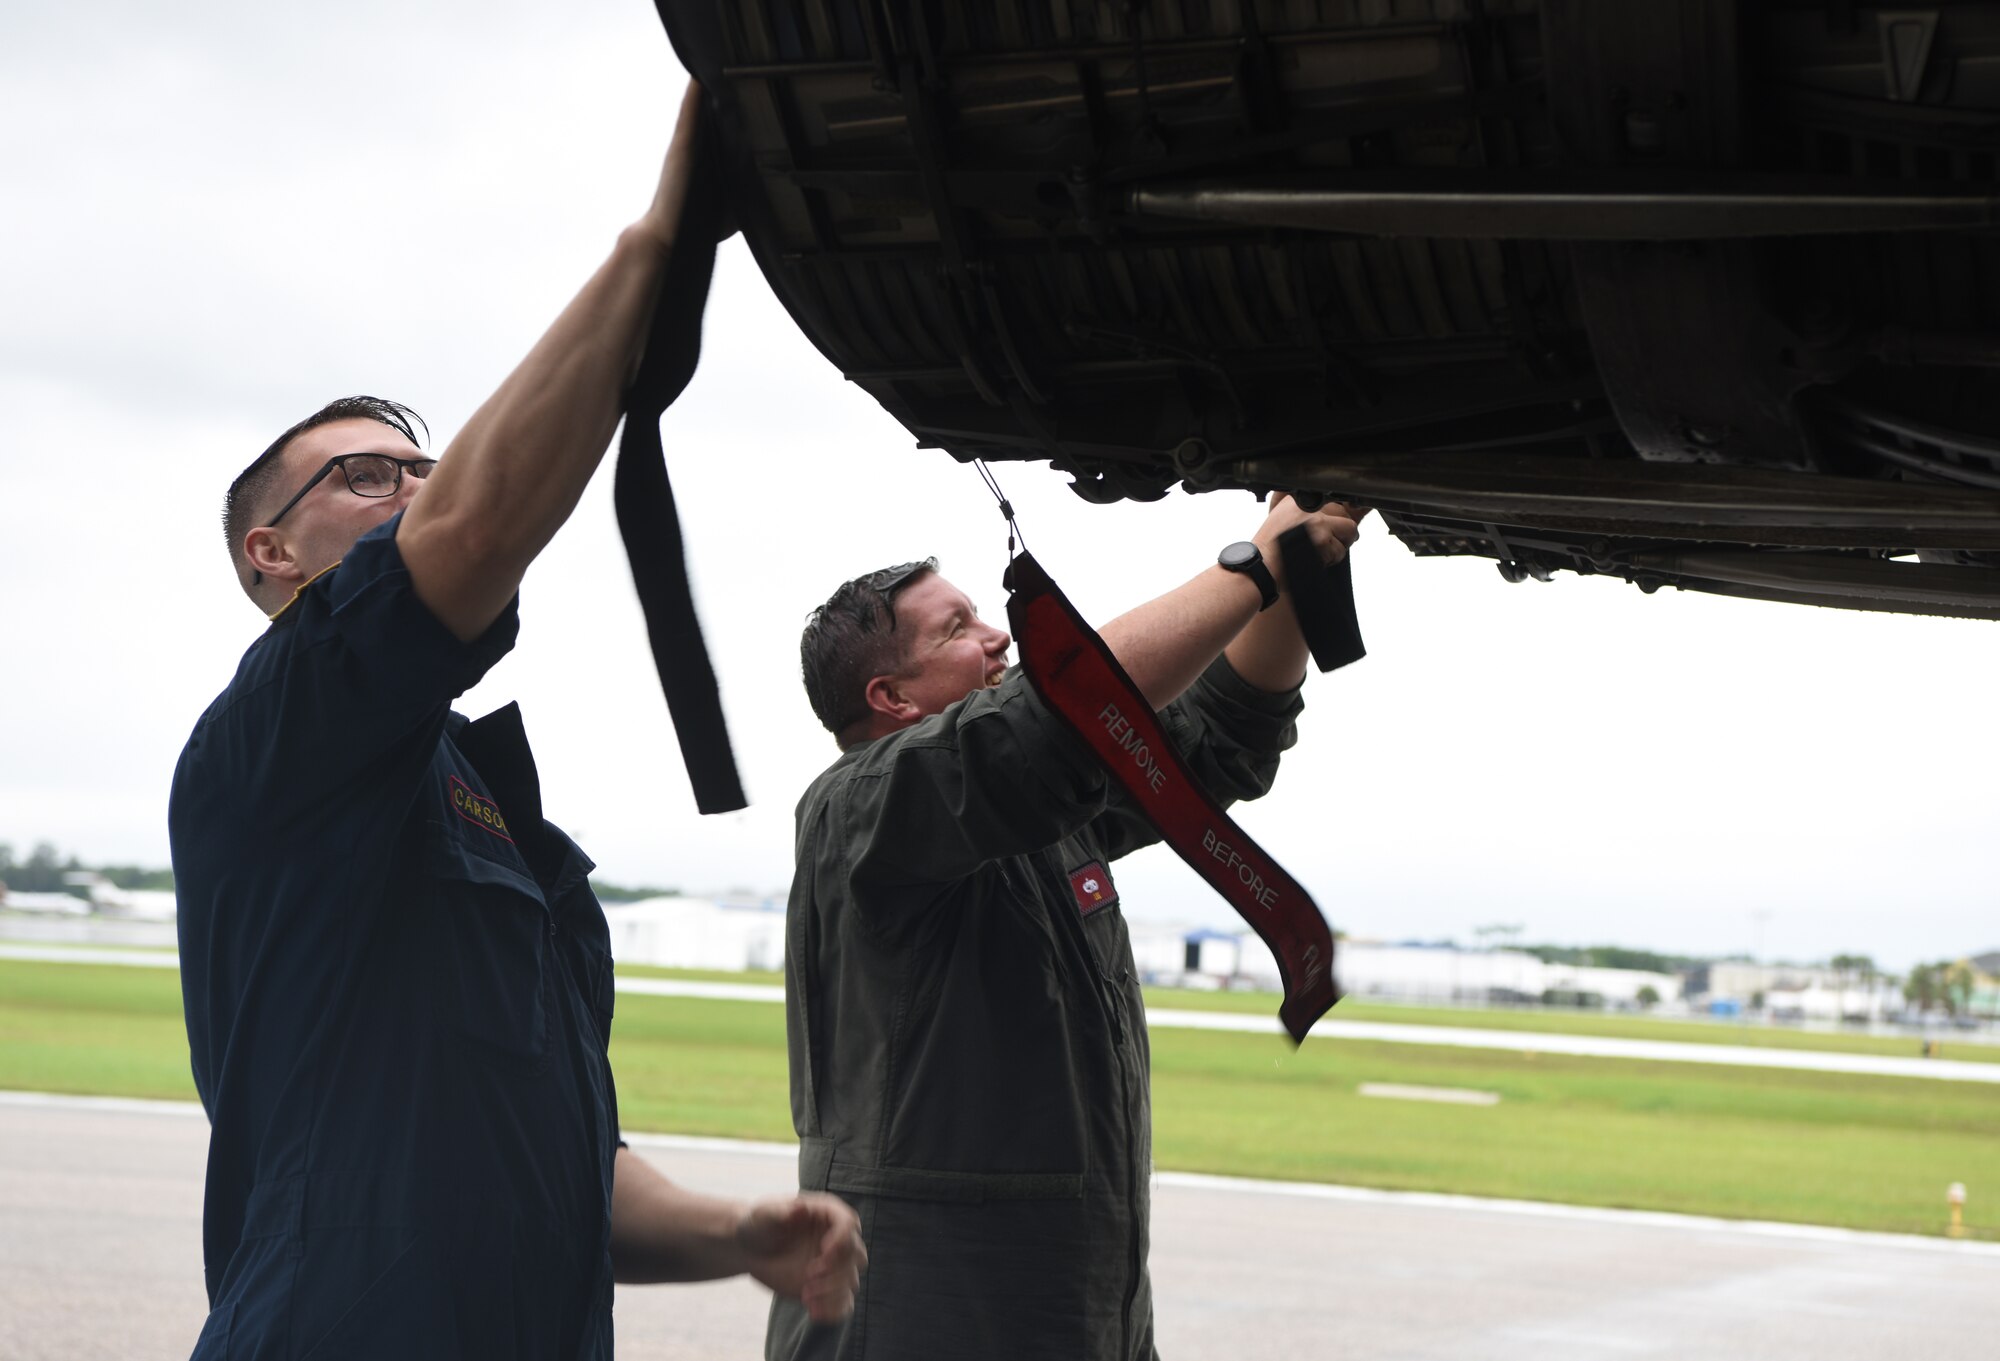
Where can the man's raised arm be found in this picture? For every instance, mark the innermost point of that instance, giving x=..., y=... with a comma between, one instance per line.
x=1168, y=641
x=520, y=465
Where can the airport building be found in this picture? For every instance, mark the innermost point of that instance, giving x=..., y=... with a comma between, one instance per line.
x=1399, y=971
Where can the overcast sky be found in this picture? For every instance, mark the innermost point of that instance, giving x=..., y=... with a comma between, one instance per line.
x=218, y=216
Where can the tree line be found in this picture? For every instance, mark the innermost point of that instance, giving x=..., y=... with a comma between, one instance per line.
x=44, y=868
x=43, y=871
x=1613, y=957
x=1947, y=985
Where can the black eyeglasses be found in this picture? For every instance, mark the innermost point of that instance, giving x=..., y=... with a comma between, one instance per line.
x=371, y=475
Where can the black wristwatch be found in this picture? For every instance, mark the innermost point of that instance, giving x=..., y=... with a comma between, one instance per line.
x=1245, y=557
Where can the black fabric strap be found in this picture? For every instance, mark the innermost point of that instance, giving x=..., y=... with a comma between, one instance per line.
x=647, y=518
x=1323, y=599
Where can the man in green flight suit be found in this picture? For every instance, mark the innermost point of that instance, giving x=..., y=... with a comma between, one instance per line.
x=968, y=1041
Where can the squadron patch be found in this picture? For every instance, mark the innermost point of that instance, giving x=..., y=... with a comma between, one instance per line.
x=1093, y=887
x=476, y=809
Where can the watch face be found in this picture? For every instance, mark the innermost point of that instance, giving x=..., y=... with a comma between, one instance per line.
x=1240, y=554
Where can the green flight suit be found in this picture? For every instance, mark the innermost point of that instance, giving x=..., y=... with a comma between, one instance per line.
x=968, y=1042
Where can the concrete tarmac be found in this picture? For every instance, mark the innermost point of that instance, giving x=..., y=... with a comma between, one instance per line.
x=100, y=1258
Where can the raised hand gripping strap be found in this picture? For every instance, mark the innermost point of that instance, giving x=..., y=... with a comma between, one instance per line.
x=1078, y=678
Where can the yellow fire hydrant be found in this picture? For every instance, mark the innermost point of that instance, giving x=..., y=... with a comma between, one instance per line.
x=1954, y=1196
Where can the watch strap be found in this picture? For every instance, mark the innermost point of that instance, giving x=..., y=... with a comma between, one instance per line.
x=1251, y=565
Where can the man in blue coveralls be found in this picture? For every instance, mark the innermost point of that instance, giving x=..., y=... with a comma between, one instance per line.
x=397, y=981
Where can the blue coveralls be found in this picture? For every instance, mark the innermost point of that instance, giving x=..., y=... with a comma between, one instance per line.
x=398, y=993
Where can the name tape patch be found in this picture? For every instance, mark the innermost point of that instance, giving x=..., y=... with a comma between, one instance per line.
x=1093, y=887
x=476, y=809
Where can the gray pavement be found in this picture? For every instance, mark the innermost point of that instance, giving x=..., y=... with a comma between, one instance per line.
x=100, y=1214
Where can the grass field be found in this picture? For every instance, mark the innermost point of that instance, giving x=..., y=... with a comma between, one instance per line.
x=756, y=976
x=1873, y=1153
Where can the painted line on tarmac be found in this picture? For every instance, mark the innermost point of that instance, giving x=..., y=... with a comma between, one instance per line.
x=1202, y=1181
x=76, y=954
x=701, y=1143
x=1449, y=1096
x=688, y=987
x=1597, y=1046
x=1758, y=1228
x=1380, y=1032
x=124, y=1105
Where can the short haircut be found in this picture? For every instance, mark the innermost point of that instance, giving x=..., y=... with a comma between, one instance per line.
x=849, y=641
x=256, y=486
